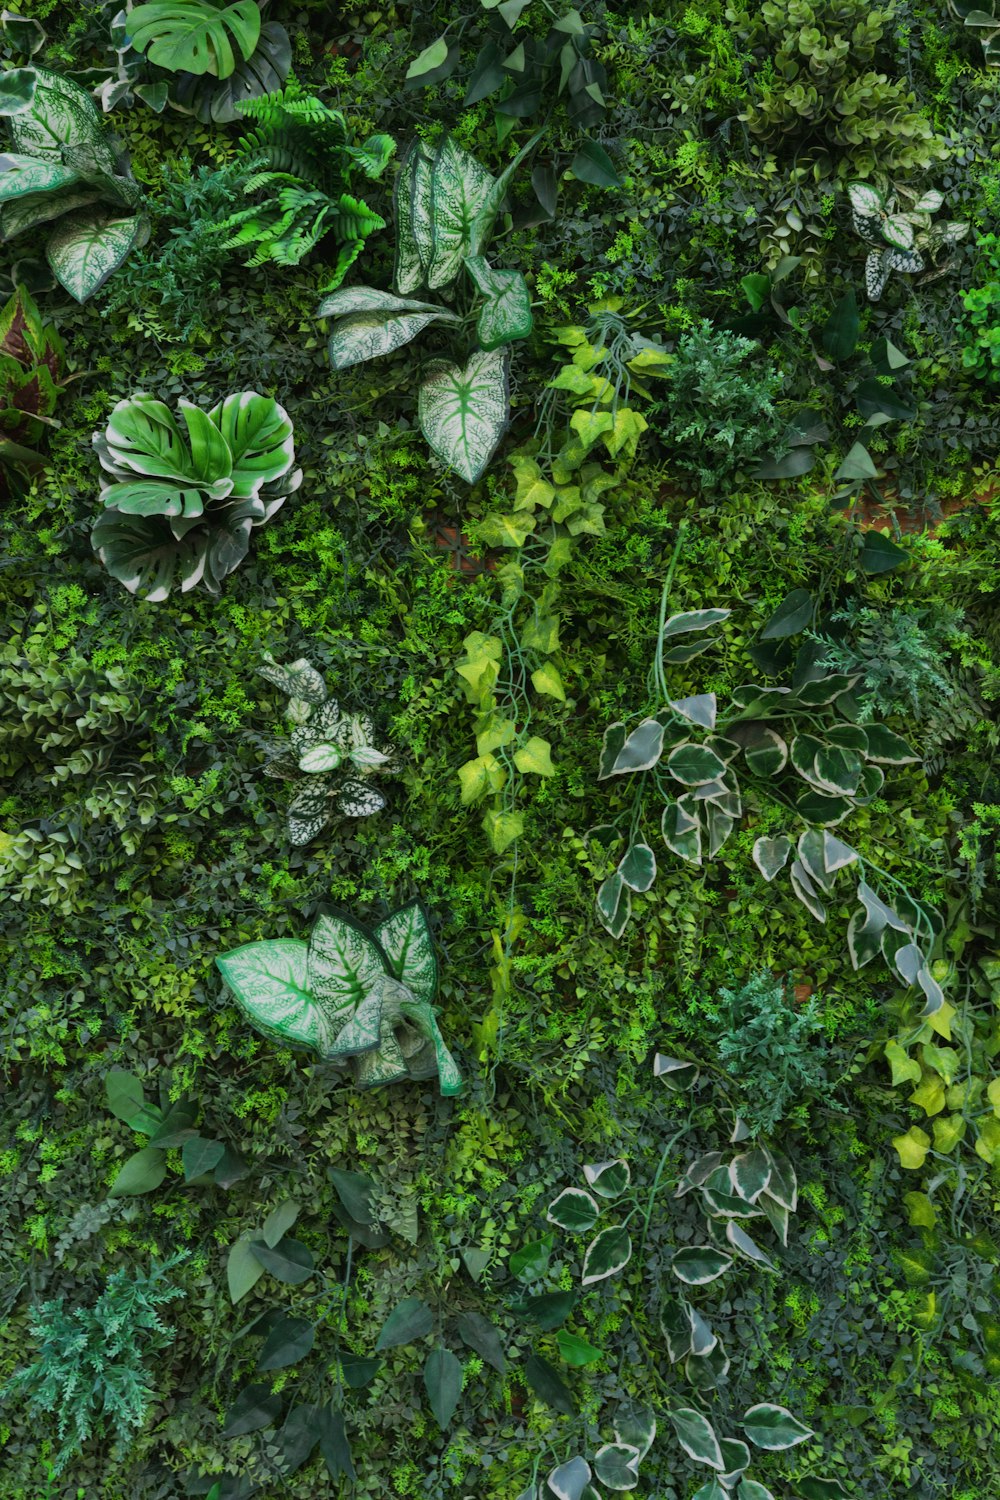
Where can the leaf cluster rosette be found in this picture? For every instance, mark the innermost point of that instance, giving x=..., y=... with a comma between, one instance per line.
x=181, y=497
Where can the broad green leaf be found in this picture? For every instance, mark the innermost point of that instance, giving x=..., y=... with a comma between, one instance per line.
x=243, y=1270
x=857, y=465
x=792, y=615
x=127, y=1101
x=774, y=1427
x=697, y=1265
x=334, y=1446
x=409, y=1321
x=812, y=1488
x=881, y=555
x=593, y=164
x=345, y=963
x=840, y=339
x=430, y=58
x=696, y=1436
x=269, y=981
x=460, y=188
x=142, y=1172
x=200, y=1156
x=479, y=1334
x=443, y=1384
x=463, y=412
x=358, y=1371
x=17, y=89
x=195, y=36
x=255, y=1407
x=607, y=1254
x=506, y=313
x=574, y=1210
x=289, y=1260
x=289, y=1340
x=616, y=1466
x=576, y=1351
x=87, y=247
x=279, y=1221
x=674, y=1072
x=548, y=1385
x=637, y=867
x=545, y=679
x=640, y=750
x=548, y=1309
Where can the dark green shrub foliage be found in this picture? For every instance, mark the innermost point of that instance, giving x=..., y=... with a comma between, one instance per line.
x=774, y=1050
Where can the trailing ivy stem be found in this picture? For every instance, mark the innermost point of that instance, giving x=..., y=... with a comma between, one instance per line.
x=659, y=677
x=656, y=1182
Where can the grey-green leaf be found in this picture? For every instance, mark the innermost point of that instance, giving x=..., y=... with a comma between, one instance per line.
x=409, y=1320
x=443, y=1384
x=143, y=1172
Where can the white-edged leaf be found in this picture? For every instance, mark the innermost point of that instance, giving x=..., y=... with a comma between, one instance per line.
x=701, y=709
x=609, y=1179
x=697, y=1265
x=614, y=904
x=696, y=1436
x=641, y=749
x=463, y=412
x=694, y=619
x=637, y=867
x=607, y=1254
x=750, y=1173
x=741, y=1241
x=635, y=1425
x=770, y=855
x=569, y=1481
x=783, y=1186
x=574, y=1210
x=675, y=1072
x=616, y=1465
x=773, y=1427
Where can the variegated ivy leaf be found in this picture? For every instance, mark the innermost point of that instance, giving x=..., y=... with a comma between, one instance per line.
x=770, y=855
x=741, y=1241
x=635, y=1425
x=774, y=1428
x=783, y=1186
x=568, y=1481
x=637, y=867
x=697, y=1265
x=750, y=1173
x=573, y=1210
x=506, y=314
x=270, y=982
x=463, y=411
x=805, y=890
x=616, y=1465
x=736, y=1457
x=674, y=1071
x=609, y=1179
x=640, y=750
x=607, y=1254
x=406, y=941
x=87, y=247
x=697, y=1437
x=681, y=832
x=345, y=963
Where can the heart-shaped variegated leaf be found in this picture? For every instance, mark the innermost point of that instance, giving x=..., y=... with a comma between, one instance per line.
x=86, y=247
x=414, y=233
x=460, y=189
x=506, y=312
x=345, y=963
x=270, y=983
x=463, y=411
x=360, y=336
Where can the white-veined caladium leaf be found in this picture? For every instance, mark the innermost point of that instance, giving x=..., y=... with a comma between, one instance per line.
x=897, y=231
x=774, y=1427
x=20, y=215
x=414, y=225
x=87, y=247
x=196, y=36
x=61, y=114
x=460, y=189
x=270, y=982
x=24, y=176
x=345, y=963
x=609, y=1179
x=463, y=412
x=405, y=939
x=574, y=1210
x=360, y=336
x=607, y=1254
x=506, y=313
x=258, y=434
x=696, y=1436
x=697, y=1265
x=616, y=1466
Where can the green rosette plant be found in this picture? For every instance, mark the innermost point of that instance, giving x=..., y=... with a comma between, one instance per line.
x=66, y=179
x=351, y=994
x=181, y=498
x=332, y=755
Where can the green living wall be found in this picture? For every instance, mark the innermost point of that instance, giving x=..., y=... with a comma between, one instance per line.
x=498, y=723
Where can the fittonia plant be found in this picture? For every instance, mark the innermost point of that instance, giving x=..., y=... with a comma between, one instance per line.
x=905, y=240
x=351, y=994
x=333, y=755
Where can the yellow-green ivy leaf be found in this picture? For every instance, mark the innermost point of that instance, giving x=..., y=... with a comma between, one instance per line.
x=545, y=679
x=481, y=666
x=507, y=530
x=929, y=1095
x=590, y=425
x=502, y=828
x=941, y=1020
x=625, y=433
x=948, y=1131
x=479, y=776
x=541, y=633
x=913, y=1148
x=903, y=1067
x=535, y=757
x=495, y=733
x=988, y=1144
x=993, y=1095
x=921, y=1210
x=944, y=1060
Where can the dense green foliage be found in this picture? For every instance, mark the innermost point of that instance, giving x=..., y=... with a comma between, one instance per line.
x=625, y=809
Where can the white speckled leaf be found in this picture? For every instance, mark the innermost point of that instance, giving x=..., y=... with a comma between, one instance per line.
x=85, y=248
x=362, y=336
x=414, y=233
x=463, y=413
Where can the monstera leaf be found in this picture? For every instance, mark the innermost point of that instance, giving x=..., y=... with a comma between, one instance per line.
x=195, y=36
x=217, y=101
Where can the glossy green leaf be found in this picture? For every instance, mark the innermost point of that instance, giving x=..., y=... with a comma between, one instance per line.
x=289, y=1340
x=479, y=1334
x=195, y=36
x=548, y=1385
x=575, y=1350
x=289, y=1260
x=127, y=1101
x=793, y=614
x=142, y=1172
x=255, y=1407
